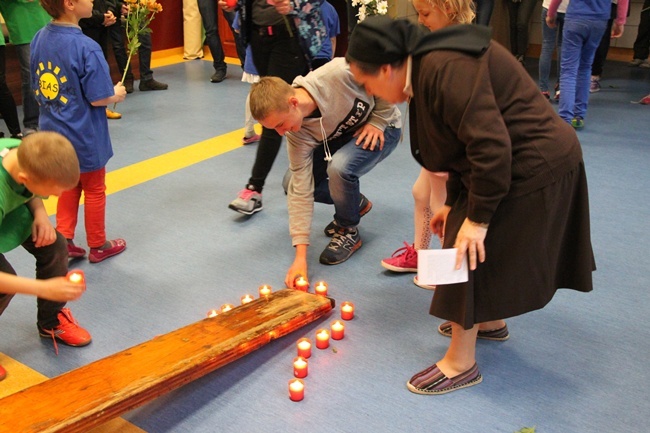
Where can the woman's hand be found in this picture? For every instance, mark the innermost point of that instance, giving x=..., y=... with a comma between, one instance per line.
x=470, y=239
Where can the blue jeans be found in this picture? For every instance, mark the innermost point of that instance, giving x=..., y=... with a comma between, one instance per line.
x=484, y=11
x=30, y=106
x=580, y=40
x=337, y=182
x=549, y=38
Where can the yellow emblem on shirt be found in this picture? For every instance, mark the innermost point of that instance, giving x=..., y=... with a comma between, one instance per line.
x=49, y=82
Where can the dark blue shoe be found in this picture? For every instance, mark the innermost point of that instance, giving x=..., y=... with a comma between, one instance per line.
x=343, y=244
x=365, y=206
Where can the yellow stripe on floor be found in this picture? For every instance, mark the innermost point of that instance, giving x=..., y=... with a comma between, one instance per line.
x=158, y=166
x=19, y=377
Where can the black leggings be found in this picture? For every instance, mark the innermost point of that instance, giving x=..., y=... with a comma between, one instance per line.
x=277, y=55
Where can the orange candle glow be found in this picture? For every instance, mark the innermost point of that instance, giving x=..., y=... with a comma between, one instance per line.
x=213, y=313
x=322, y=339
x=347, y=311
x=76, y=276
x=296, y=389
x=301, y=284
x=300, y=367
x=226, y=307
x=246, y=299
x=321, y=288
x=304, y=347
x=265, y=290
x=338, y=330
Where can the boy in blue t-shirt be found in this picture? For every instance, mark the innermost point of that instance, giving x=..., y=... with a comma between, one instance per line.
x=333, y=26
x=45, y=163
x=73, y=86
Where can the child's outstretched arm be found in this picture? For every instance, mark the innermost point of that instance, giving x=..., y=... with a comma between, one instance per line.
x=57, y=289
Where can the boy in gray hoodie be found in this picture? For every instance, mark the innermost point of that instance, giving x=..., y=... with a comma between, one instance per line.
x=336, y=133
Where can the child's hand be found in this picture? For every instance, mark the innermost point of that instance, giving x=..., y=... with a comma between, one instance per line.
x=120, y=92
x=43, y=233
x=59, y=289
x=298, y=268
x=109, y=19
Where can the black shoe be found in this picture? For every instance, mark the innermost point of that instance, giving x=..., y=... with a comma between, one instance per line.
x=365, y=206
x=128, y=84
x=218, y=76
x=343, y=244
x=151, y=85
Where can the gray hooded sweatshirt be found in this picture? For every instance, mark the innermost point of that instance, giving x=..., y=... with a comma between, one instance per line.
x=344, y=107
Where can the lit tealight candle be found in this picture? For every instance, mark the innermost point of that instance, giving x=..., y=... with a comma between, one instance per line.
x=296, y=389
x=226, y=307
x=213, y=313
x=347, y=311
x=300, y=367
x=338, y=330
x=246, y=299
x=265, y=290
x=304, y=347
x=321, y=288
x=301, y=284
x=322, y=339
x=76, y=277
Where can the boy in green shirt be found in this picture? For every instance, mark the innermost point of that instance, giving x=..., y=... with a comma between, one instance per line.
x=45, y=163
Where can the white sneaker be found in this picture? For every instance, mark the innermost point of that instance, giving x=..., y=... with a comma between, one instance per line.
x=423, y=286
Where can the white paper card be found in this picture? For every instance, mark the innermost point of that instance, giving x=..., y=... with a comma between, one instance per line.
x=439, y=267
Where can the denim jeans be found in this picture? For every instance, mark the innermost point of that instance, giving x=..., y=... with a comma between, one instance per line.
x=337, y=182
x=580, y=40
x=484, y=11
x=30, y=106
x=550, y=39
x=209, y=17
x=51, y=261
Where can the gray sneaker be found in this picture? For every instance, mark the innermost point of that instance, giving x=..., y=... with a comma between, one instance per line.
x=636, y=62
x=365, y=206
x=343, y=244
x=247, y=202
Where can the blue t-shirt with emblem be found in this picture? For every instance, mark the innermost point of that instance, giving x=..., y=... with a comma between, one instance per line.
x=69, y=72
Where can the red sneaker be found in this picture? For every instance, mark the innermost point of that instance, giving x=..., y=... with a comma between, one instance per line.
x=645, y=100
x=68, y=332
x=403, y=260
x=3, y=373
x=99, y=254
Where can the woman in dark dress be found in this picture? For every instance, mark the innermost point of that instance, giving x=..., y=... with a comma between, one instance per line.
x=517, y=204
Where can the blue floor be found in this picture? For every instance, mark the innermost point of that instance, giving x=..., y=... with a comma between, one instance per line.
x=578, y=365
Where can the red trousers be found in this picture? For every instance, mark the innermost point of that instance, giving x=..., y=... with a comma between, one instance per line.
x=93, y=186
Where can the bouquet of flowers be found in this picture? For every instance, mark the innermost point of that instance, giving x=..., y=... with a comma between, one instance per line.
x=139, y=16
x=370, y=7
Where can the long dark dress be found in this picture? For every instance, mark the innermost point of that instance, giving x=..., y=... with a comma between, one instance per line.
x=514, y=164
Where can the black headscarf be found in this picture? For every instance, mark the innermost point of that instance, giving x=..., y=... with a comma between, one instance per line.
x=381, y=40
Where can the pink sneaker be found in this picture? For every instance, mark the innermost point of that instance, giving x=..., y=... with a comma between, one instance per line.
x=99, y=254
x=645, y=100
x=403, y=260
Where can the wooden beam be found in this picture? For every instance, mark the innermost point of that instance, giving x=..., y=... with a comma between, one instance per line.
x=93, y=394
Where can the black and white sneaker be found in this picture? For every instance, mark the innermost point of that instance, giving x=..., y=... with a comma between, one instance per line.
x=343, y=244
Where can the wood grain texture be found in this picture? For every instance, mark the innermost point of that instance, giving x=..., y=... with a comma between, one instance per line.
x=93, y=394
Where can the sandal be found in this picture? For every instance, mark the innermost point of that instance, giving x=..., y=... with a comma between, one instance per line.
x=500, y=334
x=434, y=381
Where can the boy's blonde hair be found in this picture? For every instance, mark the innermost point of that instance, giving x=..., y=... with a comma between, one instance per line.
x=54, y=8
x=270, y=94
x=49, y=157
